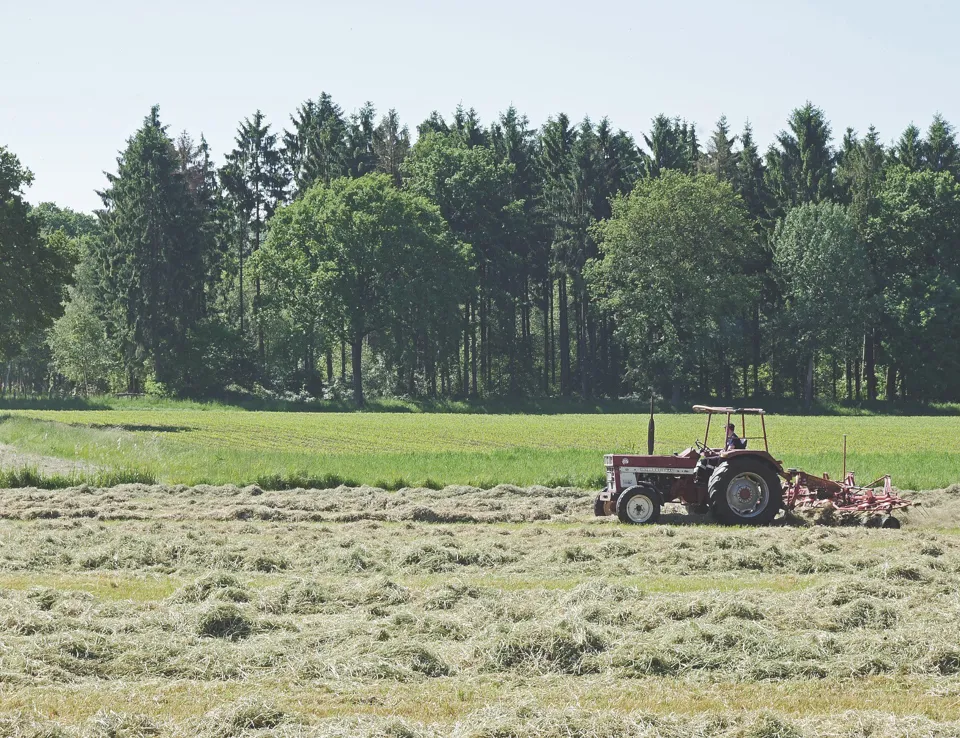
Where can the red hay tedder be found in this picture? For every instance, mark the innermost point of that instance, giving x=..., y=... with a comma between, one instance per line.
x=738, y=485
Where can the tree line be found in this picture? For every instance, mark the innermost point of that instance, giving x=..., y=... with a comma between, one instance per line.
x=344, y=257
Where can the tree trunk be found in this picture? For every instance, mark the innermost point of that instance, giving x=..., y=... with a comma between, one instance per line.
x=891, y=381
x=553, y=339
x=808, y=384
x=240, y=257
x=833, y=384
x=466, y=349
x=356, y=347
x=547, y=288
x=484, y=344
x=869, y=366
x=849, y=374
x=564, y=337
x=473, y=354
x=602, y=376
x=756, y=349
x=329, y=366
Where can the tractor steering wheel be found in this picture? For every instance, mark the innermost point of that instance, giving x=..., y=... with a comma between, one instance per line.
x=700, y=446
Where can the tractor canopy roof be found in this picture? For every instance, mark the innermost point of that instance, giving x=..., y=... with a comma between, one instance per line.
x=728, y=410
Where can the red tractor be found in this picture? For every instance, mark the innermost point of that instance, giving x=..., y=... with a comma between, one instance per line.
x=737, y=484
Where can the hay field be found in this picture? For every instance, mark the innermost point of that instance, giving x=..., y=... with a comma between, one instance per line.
x=394, y=450
x=225, y=611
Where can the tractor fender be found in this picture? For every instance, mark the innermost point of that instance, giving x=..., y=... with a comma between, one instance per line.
x=647, y=486
x=761, y=456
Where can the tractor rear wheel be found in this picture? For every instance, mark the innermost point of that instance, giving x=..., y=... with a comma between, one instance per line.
x=639, y=505
x=744, y=491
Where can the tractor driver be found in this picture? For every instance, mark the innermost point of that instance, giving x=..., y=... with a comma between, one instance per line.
x=734, y=442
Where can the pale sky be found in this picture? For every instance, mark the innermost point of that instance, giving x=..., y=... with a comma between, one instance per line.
x=77, y=78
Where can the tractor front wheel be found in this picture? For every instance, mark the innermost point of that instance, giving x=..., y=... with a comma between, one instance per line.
x=639, y=505
x=745, y=491
x=598, y=507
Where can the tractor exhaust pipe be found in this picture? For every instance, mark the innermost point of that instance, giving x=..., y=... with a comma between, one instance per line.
x=651, y=428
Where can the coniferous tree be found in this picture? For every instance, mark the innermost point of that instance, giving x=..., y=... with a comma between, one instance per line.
x=255, y=180
x=800, y=164
x=360, y=155
x=908, y=150
x=466, y=124
x=750, y=182
x=150, y=259
x=316, y=150
x=433, y=124
x=940, y=150
x=391, y=145
x=860, y=173
x=515, y=142
x=720, y=159
x=670, y=147
x=560, y=194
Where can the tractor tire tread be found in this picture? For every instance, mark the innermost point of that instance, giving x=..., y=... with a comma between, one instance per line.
x=720, y=480
x=647, y=489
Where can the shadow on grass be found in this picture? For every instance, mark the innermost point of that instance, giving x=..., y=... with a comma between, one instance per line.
x=138, y=427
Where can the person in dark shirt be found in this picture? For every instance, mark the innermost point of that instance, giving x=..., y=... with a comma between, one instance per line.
x=734, y=442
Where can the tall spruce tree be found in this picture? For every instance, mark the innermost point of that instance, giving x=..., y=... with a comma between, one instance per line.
x=861, y=172
x=557, y=162
x=940, y=150
x=391, y=145
x=255, y=180
x=360, y=155
x=317, y=148
x=720, y=159
x=750, y=182
x=908, y=151
x=800, y=164
x=515, y=142
x=670, y=146
x=150, y=259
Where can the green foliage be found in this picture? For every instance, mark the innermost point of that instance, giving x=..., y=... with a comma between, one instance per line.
x=164, y=268
x=362, y=256
x=672, y=145
x=825, y=279
x=671, y=311
x=150, y=259
x=914, y=244
x=34, y=269
x=80, y=348
x=800, y=167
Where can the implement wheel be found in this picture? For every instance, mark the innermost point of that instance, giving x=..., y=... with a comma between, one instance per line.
x=745, y=491
x=639, y=505
x=890, y=522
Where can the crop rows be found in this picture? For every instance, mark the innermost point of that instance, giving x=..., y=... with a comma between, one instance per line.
x=152, y=610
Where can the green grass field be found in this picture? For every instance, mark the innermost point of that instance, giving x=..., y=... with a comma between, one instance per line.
x=277, y=449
